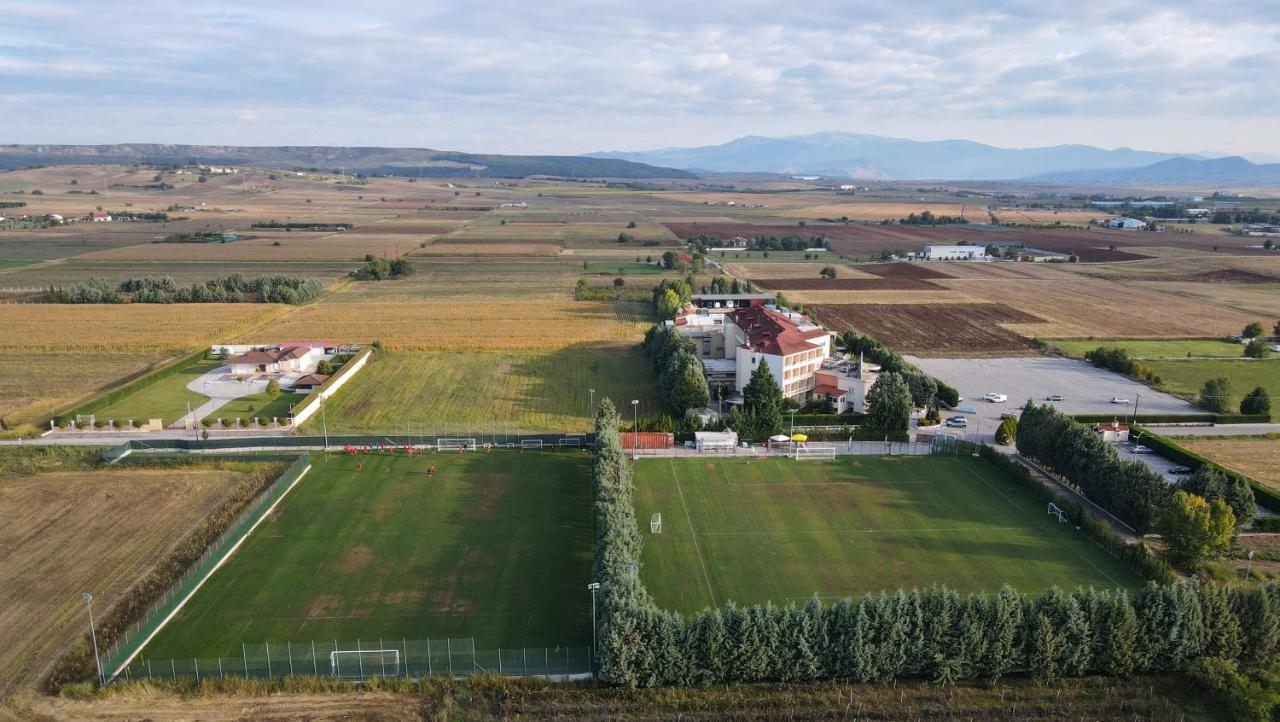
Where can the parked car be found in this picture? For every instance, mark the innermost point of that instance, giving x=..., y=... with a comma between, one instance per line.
x=1054, y=397
x=995, y=398
x=958, y=422
x=1181, y=470
x=1140, y=449
x=1009, y=414
x=1118, y=400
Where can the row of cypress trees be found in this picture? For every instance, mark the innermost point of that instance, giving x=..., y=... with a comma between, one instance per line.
x=934, y=634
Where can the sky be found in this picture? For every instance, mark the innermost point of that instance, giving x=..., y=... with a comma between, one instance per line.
x=575, y=77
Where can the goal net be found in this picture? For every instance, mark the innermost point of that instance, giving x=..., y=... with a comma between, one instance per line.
x=655, y=523
x=359, y=664
x=804, y=452
x=456, y=444
x=575, y=443
x=531, y=443
x=1056, y=512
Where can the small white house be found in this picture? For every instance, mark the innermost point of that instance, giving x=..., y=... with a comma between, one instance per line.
x=293, y=359
x=1126, y=224
x=955, y=253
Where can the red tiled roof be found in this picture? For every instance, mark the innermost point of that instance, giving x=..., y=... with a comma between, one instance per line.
x=771, y=332
x=1113, y=426
x=835, y=391
x=271, y=355
x=311, y=380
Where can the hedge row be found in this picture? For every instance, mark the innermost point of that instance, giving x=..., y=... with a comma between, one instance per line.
x=850, y=419
x=1136, y=556
x=120, y=392
x=1175, y=418
x=78, y=663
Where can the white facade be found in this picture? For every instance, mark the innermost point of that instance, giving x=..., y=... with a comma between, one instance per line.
x=1128, y=224
x=955, y=253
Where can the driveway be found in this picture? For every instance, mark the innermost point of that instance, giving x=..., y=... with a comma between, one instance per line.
x=222, y=388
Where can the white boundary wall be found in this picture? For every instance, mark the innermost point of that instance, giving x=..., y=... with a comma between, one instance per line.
x=344, y=375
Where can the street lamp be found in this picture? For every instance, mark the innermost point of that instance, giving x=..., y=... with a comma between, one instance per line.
x=793, y=423
x=1248, y=570
x=635, y=415
x=593, y=587
x=591, y=401
x=93, y=634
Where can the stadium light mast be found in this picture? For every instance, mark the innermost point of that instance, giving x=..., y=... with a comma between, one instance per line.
x=635, y=415
x=93, y=634
x=593, y=587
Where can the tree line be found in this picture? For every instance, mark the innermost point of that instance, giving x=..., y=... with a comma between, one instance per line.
x=680, y=380
x=1128, y=489
x=233, y=288
x=935, y=633
x=925, y=389
x=790, y=242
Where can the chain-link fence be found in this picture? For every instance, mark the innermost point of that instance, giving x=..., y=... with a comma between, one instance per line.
x=369, y=658
x=140, y=632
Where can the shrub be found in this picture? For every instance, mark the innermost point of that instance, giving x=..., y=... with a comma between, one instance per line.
x=1257, y=348
x=1215, y=395
x=1256, y=402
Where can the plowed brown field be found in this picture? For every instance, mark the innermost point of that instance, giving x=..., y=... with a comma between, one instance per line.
x=938, y=329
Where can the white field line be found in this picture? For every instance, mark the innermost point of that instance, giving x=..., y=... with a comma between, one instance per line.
x=904, y=530
x=215, y=568
x=697, y=547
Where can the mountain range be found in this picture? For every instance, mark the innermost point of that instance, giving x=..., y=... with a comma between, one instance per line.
x=861, y=156
x=423, y=162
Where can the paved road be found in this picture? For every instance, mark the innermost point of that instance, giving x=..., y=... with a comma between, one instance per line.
x=1219, y=430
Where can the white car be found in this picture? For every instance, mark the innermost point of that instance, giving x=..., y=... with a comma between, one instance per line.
x=1140, y=449
x=1055, y=397
x=1009, y=414
x=958, y=422
x=995, y=398
x=1118, y=400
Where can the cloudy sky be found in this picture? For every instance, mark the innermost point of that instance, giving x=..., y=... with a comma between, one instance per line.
x=573, y=77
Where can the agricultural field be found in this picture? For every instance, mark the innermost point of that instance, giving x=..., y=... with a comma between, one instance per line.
x=1256, y=457
x=940, y=329
x=440, y=392
x=1186, y=377
x=493, y=546
x=36, y=383
x=70, y=529
x=780, y=530
x=65, y=273
x=134, y=326
x=1144, y=349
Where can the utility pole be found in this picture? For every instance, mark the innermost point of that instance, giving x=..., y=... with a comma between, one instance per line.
x=593, y=587
x=1136, y=399
x=591, y=402
x=324, y=423
x=93, y=633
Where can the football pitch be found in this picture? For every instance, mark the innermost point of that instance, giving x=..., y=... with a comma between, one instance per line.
x=780, y=530
x=495, y=546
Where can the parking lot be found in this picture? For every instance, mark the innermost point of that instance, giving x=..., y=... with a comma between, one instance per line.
x=1084, y=388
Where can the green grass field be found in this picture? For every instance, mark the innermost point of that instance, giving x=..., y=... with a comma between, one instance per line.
x=1144, y=349
x=260, y=405
x=1186, y=377
x=475, y=392
x=781, y=530
x=625, y=268
x=165, y=399
x=495, y=546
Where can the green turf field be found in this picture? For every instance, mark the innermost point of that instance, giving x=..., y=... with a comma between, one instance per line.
x=166, y=399
x=1146, y=349
x=1186, y=377
x=778, y=529
x=260, y=405
x=495, y=546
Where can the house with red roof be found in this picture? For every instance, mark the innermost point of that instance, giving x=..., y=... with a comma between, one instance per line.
x=790, y=345
x=1114, y=432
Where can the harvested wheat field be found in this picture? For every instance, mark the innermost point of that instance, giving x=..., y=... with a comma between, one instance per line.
x=845, y=284
x=432, y=325
x=488, y=249
x=89, y=530
x=797, y=269
x=35, y=383
x=1258, y=458
x=929, y=329
x=132, y=327
x=274, y=246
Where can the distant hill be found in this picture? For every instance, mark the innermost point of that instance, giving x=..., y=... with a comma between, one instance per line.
x=1233, y=170
x=422, y=162
x=860, y=156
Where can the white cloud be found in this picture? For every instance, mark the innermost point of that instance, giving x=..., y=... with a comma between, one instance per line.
x=583, y=75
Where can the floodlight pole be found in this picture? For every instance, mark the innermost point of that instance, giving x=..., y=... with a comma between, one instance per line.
x=593, y=587
x=793, y=423
x=93, y=633
x=324, y=423
x=635, y=415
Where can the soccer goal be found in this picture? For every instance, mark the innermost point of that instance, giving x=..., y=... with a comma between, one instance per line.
x=569, y=442
x=1056, y=512
x=531, y=443
x=805, y=453
x=359, y=664
x=655, y=523
x=456, y=444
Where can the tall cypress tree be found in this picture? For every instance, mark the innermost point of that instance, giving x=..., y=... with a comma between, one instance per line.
x=1223, y=636
x=1044, y=648
x=1120, y=658
x=1003, y=634
x=762, y=397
